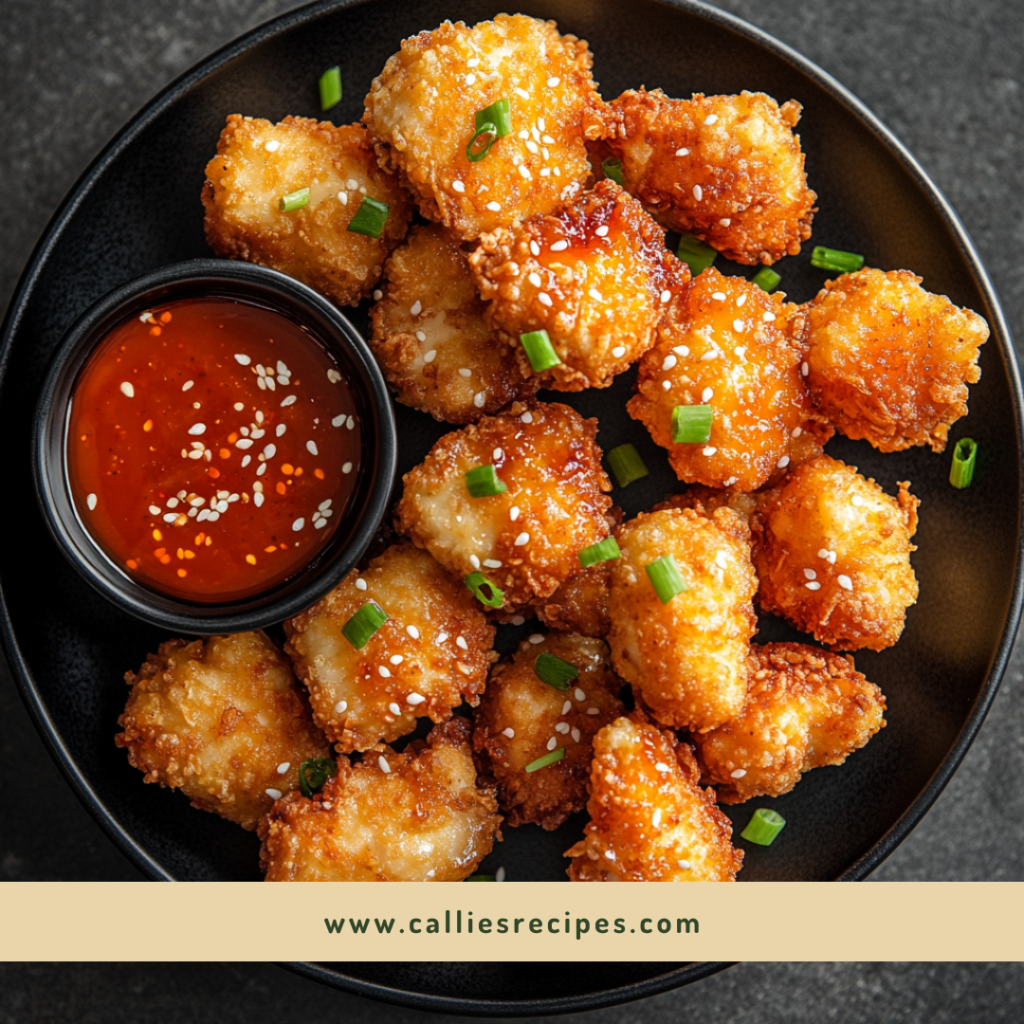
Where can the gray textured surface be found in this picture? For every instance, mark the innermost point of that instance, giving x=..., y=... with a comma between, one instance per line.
x=945, y=76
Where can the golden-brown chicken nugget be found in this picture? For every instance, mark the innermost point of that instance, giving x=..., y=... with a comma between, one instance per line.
x=418, y=816
x=433, y=651
x=223, y=720
x=594, y=274
x=580, y=605
x=805, y=709
x=706, y=499
x=259, y=163
x=832, y=552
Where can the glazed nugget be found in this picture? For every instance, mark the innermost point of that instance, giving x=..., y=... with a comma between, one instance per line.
x=727, y=168
x=418, y=816
x=527, y=539
x=832, y=552
x=650, y=820
x=434, y=650
x=258, y=163
x=594, y=274
x=223, y=720
x=422, y=111
x=580, y=605
x=726, y=345
x=522, y=718
x=687, y=658
x=890, y=362
x=430, y=337
x=805, y=709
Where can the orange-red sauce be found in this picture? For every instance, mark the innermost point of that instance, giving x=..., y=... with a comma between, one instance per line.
x=212, y=448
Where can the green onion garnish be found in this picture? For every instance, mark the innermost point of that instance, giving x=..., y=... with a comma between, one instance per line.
x=539, y=350
x=836, y=259
x=489, y=133
x=612, y=168
x=697, y=255
x=483, y=482
x=364, y=624
x=543, y=762
x=767, y=279
x=965, y=452
x=484, y=590
x=314, y=773
x=665, y=578
x=330, y=88
x=626, y=464
x=294, y=200
x=691, y=424
x=498, y=115
x=554, y=671
x=480, y=878
x=369, y=218
x=764, y=826
x=604, y=551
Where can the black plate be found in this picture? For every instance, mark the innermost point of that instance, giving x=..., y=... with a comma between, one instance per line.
x=137, y=208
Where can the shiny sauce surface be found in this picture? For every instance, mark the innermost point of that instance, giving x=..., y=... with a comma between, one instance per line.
x=212, y=448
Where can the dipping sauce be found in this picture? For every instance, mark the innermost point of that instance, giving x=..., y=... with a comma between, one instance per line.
x=212, y=448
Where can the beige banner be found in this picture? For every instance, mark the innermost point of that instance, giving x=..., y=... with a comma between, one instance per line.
x=512, y=921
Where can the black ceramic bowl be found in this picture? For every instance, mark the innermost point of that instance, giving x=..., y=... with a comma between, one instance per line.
x=375, y=476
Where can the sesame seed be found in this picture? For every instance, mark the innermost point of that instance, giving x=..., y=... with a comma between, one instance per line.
x=553, y=81
x=274, y=794
x=527, y=417
x=619, y=351
x=492, y=205
x=579, y=694
x=394, y=708
x=739, y=325
x=537, y=638
x=595, y=295
x=742, y=300
x=291, y=400
x=457, y=186
x=593, y=711
x=281, y=428
x=522, y=539
x=377, y=295
x=552, y=743
x=341, y=707
x=682, y=152
x=725, y=222
x=351, y=422
x=92, y=499
x=857, y=500
x=823, y=553
x=238, y=406
x=415, y=699
x=470, y=79
x=534, y=279
x=346, y=467
x=567, y=707
x=460, y=641
x=360, y=584
x=662, y=767
x=813, y=585
x=845, y=582
x=352, y=183
x=783, y=462
x=810, y=574
x=681, y=350
x=258, y=499
x=521, y=93
x=666, y=295
x=420, y=336
x=413, y=632
x=656, y=817
x=562, y=727
x=720, y=296
x=666, y=385
x=721, y=561
x=710, y=119
x=283, y=767
x=479, y=398
x=706, y=395
x=698, y=193
x=298, y=524
x=510, y=733
x=669, y=362
x=768, y=317
x=601, y=231
x=525, y=171
x=576, y=735
x=473, y=62
x=560, y=246
x=428, y=357
x=544, y=299
x=383, y=765
x=534, y=248
x=709, y=451
x=242, y=360
x=492, y=563
x=333, y=376
x=804, y=368
x=796, y=432
x=517, y=620
x=532, y=146
x=474, y=561
x=499, y=875
x=416, y=308
x=343, y=198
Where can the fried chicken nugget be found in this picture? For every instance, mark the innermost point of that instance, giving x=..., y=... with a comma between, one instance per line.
x=727, y=168
x=726, y=346
x=650, y=820
x=434, y=650
x=832, y=552
x=223, y=720
x=258, y=163
x=888, y=361
x=422, y=111
x=522, y=718
x=580, y=605
x=805, y=709
x=430, y=337
x=526, y=540
x=706, y=499
x=687, y=658
x=594, y=274
x=418, y=816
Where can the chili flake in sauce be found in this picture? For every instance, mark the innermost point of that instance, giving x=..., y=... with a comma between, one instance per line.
x=212, y=448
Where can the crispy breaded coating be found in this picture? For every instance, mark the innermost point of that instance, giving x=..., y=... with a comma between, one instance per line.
x=726, y=168
x=258, y=163
x=223, y=720
x=706, y=499
x=650, y=820
x=832, y=552
x=434, y=650
x=726, y=345
x=431, y=339
x=526, y=541
x=522, y=718
x=687, y=658
x=418, y=816
x=888, y=361
x=594, y=274
x=422, y=111
x=580, y=605
x=805, y=709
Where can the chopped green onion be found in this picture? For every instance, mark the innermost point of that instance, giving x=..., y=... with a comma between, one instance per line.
x=767, y=279
x=543, y=762
x=965, y=454
x=364, y=624
x=691, y=424
x=554, y=671
x=480, y=878
x=836, y=259
x=697, y=255
x=483, y=482
x=539, y=350
x=498, y=115
x=488, y=132
x=369, y=218
x=294, y=200
x=665, y=578
x=626, y=464
x=604, y=551
x=612, y=168
x=330, y=88
x=484, y=590
x=314, y=773
x=764, y=826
